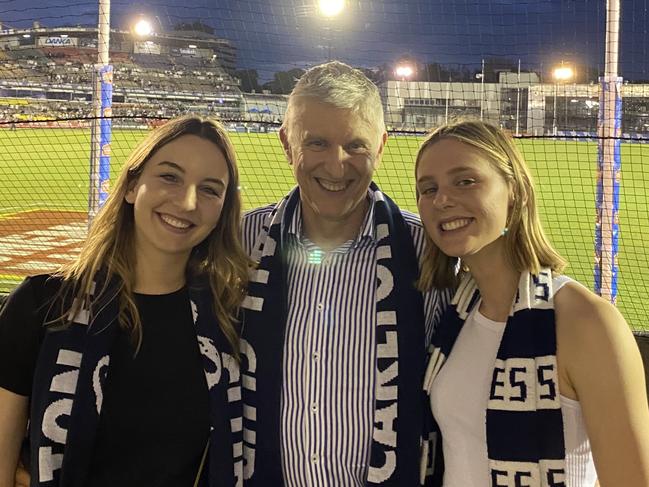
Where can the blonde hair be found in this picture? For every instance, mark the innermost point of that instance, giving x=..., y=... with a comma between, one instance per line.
x=341, y=86
x=109, y=247
x=526, y=245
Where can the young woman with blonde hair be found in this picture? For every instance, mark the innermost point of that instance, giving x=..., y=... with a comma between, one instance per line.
x=122, y=360
x=533, y=379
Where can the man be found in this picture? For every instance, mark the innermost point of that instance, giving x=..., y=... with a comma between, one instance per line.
x=334, y=331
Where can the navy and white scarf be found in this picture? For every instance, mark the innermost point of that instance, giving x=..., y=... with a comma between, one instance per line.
x=399, y=405
x=68, y=387
x=524, y=424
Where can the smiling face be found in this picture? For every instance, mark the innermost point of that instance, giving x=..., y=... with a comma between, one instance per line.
x=178, y=197
x=334, y=153
x=463, y=199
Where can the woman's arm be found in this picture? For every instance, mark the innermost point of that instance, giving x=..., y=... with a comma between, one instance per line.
x=13, y=425
x=600, y=360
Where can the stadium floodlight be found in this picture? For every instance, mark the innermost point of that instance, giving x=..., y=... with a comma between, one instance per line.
x=563, y=73
x=26, y=36
x=560, y=74
x=143, y=28
x=331, y=8
x=404, y=71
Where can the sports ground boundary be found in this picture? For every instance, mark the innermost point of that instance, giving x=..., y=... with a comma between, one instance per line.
x=38, y=241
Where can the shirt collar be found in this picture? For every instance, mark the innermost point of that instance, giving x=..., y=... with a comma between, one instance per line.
x=367, y=229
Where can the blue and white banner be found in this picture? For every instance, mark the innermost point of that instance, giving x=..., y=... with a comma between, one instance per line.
x=105, y=74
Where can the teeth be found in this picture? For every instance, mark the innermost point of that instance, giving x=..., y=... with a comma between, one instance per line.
x=329, y=186
x=169, y=220
x=455, y=224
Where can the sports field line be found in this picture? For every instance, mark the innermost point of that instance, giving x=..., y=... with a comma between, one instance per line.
x=17, y=210
x=9, y=281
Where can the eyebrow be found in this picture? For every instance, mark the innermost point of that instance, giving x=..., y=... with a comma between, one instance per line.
x=180, y=169
x=451, y=172
x=312, y=135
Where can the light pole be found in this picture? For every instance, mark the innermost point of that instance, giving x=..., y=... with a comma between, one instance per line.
x=403, y=72
x=480, y=75
x=560, y=74
x=330, y=9
x=518, y=98
x=448, y=98
x=101, y=128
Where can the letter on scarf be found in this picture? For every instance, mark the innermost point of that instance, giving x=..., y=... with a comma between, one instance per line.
x=385, y=417
x=51, y=429
x=47, y=463
x=248, y=382
x=547, y=473
x=377, y=475
x=65, y=383
x=386, y=280
x=98, y=377
x=209, y=351
x=553, y=473
x=387, y=393
x=387, y=351
x=514, y=385
x=515, y=474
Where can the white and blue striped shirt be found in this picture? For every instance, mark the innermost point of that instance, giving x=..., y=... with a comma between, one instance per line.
x=327, y=408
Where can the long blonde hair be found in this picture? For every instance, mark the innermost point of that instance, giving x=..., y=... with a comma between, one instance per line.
x=526, y=245
x=109, y=247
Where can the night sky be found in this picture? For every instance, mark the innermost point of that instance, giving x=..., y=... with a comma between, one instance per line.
x=273, y=35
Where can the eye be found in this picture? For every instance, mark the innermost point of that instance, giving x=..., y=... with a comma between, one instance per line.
x=316, y=144
x=356, y=146
x=428, y=190
x=466, y=182
x=210, y=191
x=169, y=177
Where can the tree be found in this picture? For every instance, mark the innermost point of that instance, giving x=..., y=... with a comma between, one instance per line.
x=284, y=81
x=249, y=80
x=196, y=26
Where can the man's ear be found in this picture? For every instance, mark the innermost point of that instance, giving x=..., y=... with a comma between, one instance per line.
x=283, y=136
x=379, y=152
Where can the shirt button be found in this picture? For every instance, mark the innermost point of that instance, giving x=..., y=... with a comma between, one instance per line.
x=314, y=458
x=320, y=306
x=314, y=407
x=316, y=356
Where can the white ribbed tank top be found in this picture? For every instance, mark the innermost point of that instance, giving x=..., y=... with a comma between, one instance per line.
x=459, y=401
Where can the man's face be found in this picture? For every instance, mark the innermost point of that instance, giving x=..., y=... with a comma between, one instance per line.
x=333, y=152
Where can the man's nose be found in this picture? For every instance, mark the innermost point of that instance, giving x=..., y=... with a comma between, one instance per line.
x=336, y=160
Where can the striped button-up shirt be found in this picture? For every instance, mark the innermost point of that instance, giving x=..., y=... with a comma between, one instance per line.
x=327, y=409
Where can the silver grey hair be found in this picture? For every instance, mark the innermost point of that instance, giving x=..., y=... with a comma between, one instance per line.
x=342, y=86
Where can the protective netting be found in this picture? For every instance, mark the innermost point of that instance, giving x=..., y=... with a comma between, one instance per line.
x=530, y=67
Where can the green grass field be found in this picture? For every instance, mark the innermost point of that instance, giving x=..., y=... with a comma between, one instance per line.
x=48, y=169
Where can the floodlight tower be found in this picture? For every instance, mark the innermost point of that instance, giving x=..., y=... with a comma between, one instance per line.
x=143, y=28
x=403, y=71
x=330, y=9
x=561, y=74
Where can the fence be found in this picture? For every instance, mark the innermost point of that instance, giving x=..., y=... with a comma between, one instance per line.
x=490, y=59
